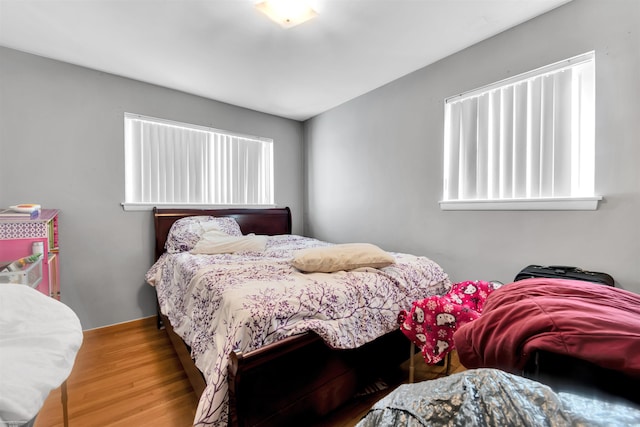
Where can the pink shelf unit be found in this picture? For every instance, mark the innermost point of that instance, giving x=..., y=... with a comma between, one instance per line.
x=16, y=241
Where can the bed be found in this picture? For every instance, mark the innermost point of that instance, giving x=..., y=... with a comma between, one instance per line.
x=267, y=343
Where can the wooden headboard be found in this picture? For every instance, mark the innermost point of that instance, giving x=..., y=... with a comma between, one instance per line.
x=270, y=221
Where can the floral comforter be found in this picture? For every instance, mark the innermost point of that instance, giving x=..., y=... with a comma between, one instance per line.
x=243, y=301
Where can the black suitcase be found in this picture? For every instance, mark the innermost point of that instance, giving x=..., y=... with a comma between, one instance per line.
x=564, y=272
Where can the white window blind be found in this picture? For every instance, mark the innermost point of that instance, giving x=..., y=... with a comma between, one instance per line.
x=172, y=163
x=530, y=138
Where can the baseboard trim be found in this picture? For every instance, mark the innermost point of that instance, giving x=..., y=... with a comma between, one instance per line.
x=116, y=327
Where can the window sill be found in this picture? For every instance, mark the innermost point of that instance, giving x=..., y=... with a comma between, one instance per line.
x=551, y=204
x=150, y=206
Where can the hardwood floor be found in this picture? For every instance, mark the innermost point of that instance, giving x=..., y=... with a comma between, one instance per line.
x=124, y=375
x=129, y=375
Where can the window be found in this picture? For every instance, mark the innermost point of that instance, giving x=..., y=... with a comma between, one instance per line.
x=527, y=142
x=178, y=164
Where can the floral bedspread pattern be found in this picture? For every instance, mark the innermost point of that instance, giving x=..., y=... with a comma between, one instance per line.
x=243, y=301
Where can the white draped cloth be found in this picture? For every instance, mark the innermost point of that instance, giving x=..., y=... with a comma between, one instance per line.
x=39, y=340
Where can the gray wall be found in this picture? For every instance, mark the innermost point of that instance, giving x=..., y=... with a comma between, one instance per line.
x=61, y=145
x=374, y=164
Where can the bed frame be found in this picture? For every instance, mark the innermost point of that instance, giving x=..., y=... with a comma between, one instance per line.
x=298, y=378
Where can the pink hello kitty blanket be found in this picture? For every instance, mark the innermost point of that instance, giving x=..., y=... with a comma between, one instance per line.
x=432, y=321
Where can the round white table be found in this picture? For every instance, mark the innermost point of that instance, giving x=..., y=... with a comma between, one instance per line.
x=39, y=340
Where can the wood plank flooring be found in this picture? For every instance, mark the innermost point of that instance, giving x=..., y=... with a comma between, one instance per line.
x=124, y=375
x=129, y=375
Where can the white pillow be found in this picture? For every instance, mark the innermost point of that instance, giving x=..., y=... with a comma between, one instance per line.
x=343, y=257
x=219, y=242
x=186, y=232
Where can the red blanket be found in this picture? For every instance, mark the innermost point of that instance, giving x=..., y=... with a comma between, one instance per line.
x=592, y=322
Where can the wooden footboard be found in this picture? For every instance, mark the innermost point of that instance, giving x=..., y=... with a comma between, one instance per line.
x=300, y=379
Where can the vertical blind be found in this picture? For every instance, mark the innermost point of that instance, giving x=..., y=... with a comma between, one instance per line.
x=176, y=163
x=528, y=137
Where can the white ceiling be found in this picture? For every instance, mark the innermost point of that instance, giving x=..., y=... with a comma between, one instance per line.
x=228, y=51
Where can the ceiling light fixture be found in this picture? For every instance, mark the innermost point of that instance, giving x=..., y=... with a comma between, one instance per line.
x=287, y=13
